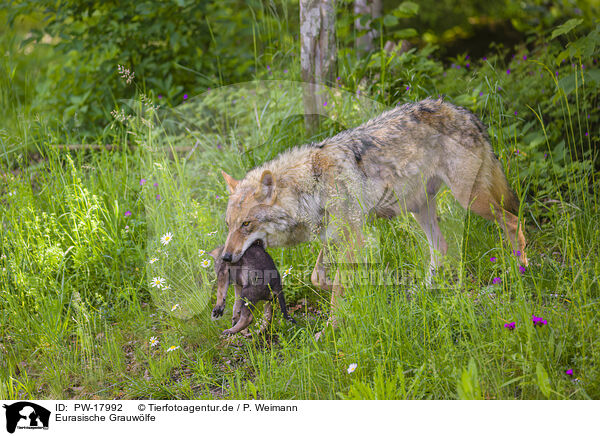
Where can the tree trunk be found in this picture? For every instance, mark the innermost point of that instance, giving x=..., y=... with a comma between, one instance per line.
x=317, y=55
x=374, y=8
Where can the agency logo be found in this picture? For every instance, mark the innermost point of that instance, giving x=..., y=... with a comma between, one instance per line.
x=26, y=415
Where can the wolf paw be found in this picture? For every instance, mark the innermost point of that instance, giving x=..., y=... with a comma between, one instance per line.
x=217, y=311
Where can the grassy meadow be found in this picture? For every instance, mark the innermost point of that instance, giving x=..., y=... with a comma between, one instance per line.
x=81, y=230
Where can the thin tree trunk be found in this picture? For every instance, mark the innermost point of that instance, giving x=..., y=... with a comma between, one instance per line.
x=318, y=55
x=366, y=42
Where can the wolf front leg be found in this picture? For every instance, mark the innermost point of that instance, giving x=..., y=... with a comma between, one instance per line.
x=319, y=274
x=354, y=238
x=222, y=285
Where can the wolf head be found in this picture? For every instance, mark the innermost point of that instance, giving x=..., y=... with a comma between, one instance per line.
x=255, y=212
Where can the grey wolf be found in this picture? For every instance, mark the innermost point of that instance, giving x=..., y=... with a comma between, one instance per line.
x=255, y=278
x=390, y=165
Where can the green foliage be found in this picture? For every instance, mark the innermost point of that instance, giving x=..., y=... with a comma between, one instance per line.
x=174, y=47
x=468, y=385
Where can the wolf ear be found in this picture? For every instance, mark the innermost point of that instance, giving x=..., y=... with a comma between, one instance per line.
x=216, y=253
x=266, y=187
x=231, y=182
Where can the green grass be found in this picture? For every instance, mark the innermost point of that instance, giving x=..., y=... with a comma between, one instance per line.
x=77, y=310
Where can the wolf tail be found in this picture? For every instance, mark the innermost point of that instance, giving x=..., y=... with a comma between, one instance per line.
x=284, y=311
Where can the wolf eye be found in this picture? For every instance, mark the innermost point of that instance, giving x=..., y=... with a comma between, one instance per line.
x=245, y=223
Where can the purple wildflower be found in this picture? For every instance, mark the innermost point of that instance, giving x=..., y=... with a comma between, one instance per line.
x=510, y=325
x=522, y=269
x=517, y=253
x=481, y=94
x=508, y=71
x=128, y=213
x=569, y=372
x=586, y=133
x=142, y=182
x=407, y=87
x=159, y=96
x=219, y=146
x=338, y=79
x=492, y=259
x=155, y=184
x=468, y=65
x=158, y=196
x=268, y=68
x=545, y=155
x=285, y=71
x=217, y=197
x=325, y=104
x=485, y=58
x=496, y=280
x=516, y=113
x=185, y=96
x=539, y=321
x=467, y=57
x=524, y=57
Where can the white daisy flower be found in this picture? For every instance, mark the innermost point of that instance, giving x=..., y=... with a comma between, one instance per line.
x=154, y=259
x=172, y=348
x=288, y=271
x=166, y=238
x=175, y=307
x=167, y=288
x=352, y=368
x=153, y=341
x=205, y=263
x=201, y=252
x=157, y=282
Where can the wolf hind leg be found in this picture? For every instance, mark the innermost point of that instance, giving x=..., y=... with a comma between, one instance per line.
x=427, y=218
x=267, y=317
x=490, y=197
x=489, y=209
x=244, y=321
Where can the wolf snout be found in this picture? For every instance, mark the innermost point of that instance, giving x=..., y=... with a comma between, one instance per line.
x=226, y=257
